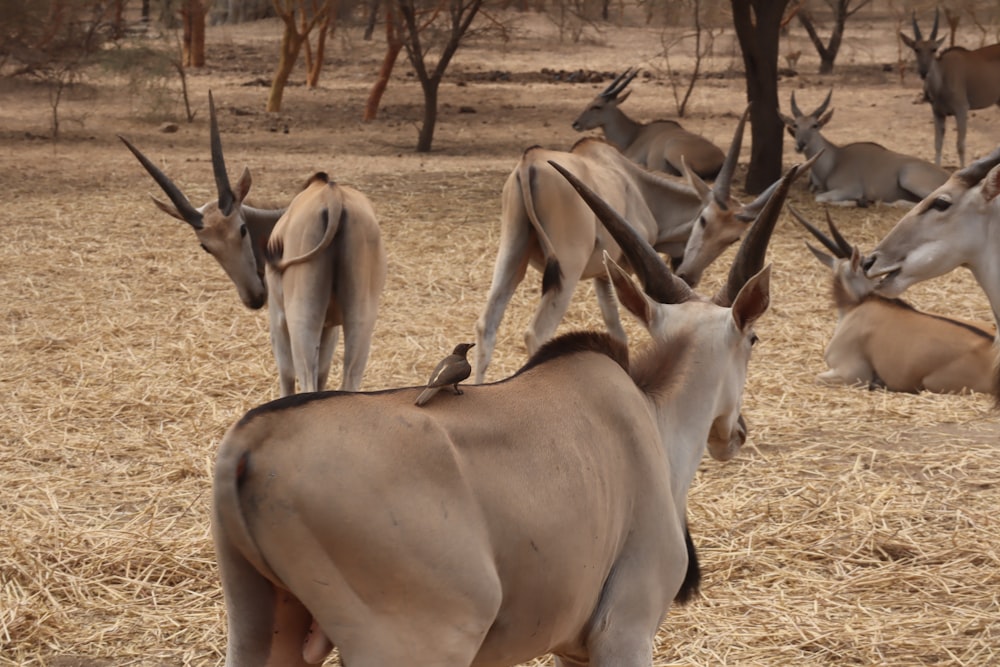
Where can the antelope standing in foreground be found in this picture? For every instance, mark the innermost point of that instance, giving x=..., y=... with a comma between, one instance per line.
x=238, y=236
x=956, y=225
x=955, y=81
x=659, y=145
x=882, y=342
x=861, y=172
x=543, y=222
x=393, y=532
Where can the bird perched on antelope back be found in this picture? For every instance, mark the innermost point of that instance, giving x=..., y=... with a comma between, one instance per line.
x=449, y=372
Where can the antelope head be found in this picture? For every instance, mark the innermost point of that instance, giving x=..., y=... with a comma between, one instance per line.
x=672, y=311
x=220, y=225
x=606, y=102
x=925, y=49
x=953, y=226
x=850, y=284
x=804, y=128
x=722, y=221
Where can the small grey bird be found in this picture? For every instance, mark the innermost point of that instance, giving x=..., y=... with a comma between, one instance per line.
x=453, y=369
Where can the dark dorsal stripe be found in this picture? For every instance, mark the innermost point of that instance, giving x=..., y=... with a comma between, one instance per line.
x=575, y=343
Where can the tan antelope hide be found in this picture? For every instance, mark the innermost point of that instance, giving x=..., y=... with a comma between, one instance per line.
x=544, y=223
x=882, y=342
x=661, y=145
x=862, y=172
x=956, y=81
x=325, y=271
x=545, y=513
x=956, y=225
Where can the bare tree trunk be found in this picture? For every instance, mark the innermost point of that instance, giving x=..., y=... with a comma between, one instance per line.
x=426, y=137
x=394, y=44
x=460, y=15
x=193, y=14
x=291, y=44
x=828, y=53
x=757, y=24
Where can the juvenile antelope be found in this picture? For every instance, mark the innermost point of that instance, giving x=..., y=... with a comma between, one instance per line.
x=543, y=222
x=659, y=145
x=396, y=532
x=955, y=81
x=861, y=172
x=305, y=312
x=956, y=225
x=882, y=342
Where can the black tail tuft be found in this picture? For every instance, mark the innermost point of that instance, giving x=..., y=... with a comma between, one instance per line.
x=274, y=251
x=692, y=578
x=552, y=276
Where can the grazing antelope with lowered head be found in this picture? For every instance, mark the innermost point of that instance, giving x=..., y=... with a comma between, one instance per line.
x=659, y=145
x=956, y=81
x=544, y=223
x=393, y=531
x=861, y=172
x=882, y=342
x=238, y=236
x=234, y=233
x=956, y=225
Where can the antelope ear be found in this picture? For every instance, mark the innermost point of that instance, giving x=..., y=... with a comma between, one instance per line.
x=825, y=118
x=753, y=299
x=629, y=294
x=908, y=41
x=624, y=96
x=938, y=43
x=855, y=260
x=169, y=209
x=826, y=259
x=787, y=120
x=695, y=181
x=243, y=186
x=991, y=184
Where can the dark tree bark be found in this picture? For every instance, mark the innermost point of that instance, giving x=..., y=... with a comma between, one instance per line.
x=758, y=24
x=842, y=11
x=193, y=13
x=460, y=14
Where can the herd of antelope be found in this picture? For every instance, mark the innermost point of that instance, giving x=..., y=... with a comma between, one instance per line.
x=546, y=512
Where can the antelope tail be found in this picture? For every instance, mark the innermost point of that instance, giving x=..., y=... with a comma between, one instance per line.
x=330, y=231
x=552, y=275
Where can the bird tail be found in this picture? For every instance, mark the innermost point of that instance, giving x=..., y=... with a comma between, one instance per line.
x=426, y=395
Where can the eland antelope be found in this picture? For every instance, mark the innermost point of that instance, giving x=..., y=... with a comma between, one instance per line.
x=956, y=81
x=659, y=145
x=956, y=225
x=333, y=281
x=882, y=342
x=398, y=533
x=341, y=222
x=543, y=222
x=228, y=229
x=861, y=172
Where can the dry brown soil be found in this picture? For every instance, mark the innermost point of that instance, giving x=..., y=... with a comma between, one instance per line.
x=856, y=527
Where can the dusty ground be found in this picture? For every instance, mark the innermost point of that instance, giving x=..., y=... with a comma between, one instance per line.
x=856, y=528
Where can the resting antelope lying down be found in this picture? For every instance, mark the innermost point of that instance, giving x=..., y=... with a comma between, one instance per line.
x=883, y=342
x=403, y=534
x=956, y=225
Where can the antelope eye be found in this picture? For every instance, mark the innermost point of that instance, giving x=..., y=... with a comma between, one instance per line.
x=243, y=231
x=702, y=222
x=754, y=339
x=941, y=204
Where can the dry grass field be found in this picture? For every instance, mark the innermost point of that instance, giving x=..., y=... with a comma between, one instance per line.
x=856, y=527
